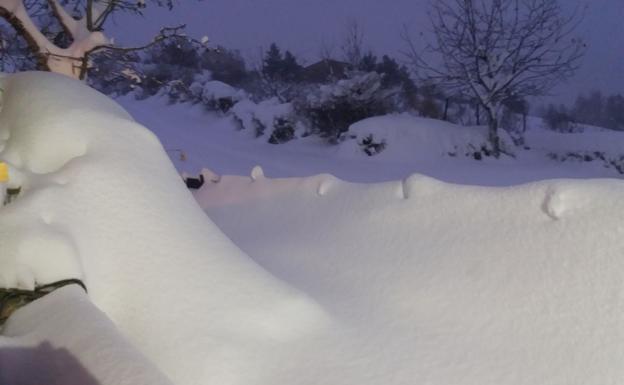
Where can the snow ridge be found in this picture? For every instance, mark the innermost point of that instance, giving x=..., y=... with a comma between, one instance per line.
x=102, y=202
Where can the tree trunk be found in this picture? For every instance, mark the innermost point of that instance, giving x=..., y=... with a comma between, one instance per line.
x=524, y=122
x=478, y=114
x=493, y=137
x=446, y=107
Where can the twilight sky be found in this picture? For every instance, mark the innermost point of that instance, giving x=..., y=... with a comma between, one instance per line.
x=304, y=25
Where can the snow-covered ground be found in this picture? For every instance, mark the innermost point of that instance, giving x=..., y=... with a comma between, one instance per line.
x=414, y=145
x=102, y=202
x=309, y=279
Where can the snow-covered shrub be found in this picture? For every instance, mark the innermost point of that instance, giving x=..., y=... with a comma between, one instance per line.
x=283, y=131
x=215, y=95
x=114, y=73
x=334, y=107
x=178, y=91
x=169, y=68
x=615, y=162
x=227, y=66
x=267, y=117
x=371, y=146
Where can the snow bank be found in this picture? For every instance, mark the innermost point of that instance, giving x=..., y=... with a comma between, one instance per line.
x=101, y=201
x=411, y=137
x=442, y=284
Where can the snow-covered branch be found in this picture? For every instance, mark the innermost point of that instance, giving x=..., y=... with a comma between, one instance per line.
x=497, y=50
x=85, y=33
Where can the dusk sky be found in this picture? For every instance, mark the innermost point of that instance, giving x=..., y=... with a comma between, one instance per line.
x=304, y=25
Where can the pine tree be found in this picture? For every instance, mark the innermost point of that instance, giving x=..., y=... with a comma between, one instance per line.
x=291, y=69
x=273, y=62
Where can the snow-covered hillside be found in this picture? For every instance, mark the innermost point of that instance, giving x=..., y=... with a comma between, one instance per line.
x=413, y=145
x=303, y=280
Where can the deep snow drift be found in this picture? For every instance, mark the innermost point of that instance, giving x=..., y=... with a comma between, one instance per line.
x=406, y=282
x=102, y=201
x=443, y=284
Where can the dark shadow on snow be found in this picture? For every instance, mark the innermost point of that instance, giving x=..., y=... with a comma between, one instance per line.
x=42, y=365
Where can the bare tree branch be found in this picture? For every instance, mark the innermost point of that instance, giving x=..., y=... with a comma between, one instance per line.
x=495, y=50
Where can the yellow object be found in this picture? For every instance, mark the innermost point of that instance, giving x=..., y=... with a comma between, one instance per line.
x=4, y=172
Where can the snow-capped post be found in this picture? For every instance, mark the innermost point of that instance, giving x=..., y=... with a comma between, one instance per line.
x=496, y=50
x=84, y=32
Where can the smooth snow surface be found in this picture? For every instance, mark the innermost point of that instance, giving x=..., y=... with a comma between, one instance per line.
x=63, y=339
x=102, y=201
x=435, y=283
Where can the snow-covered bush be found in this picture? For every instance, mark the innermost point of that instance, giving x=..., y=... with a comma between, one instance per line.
x=334, y=107
x=615, y=162
x=225, y=65
x=371, y=146
x=115, y=73
x=169, y=68
x=269, y=117
x=215, y=95
x=283, y=130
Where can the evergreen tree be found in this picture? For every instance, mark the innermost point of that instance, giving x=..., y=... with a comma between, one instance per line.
x=368, y=63
x=615, y=112
x=291, y=69
x=273, y=62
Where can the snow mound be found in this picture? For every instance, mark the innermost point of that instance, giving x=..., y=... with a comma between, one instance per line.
x=215, y=90
x=407, y=136
x=260, y=118
x=102, y=202
x=442, y=284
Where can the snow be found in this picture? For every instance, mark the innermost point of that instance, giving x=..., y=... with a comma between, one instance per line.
x=407, y=136
x=309, y=279
x=64, y=339
x=61, y=60
x=107, y=206
x=360, y=86
x=414, y=145
x=214, y=90
x=442, y=284
x=259, y=118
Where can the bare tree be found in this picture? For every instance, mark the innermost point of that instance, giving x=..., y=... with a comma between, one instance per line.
x=326, y=50
x=83, y=23
x=353, y=44
x=495, y=50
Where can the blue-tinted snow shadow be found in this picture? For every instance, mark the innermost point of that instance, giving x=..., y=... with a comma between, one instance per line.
x=42, y=364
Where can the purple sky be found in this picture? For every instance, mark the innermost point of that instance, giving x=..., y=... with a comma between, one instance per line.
x=303, y=25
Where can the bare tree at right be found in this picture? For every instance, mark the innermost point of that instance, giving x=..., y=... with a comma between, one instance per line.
x=497, y=50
